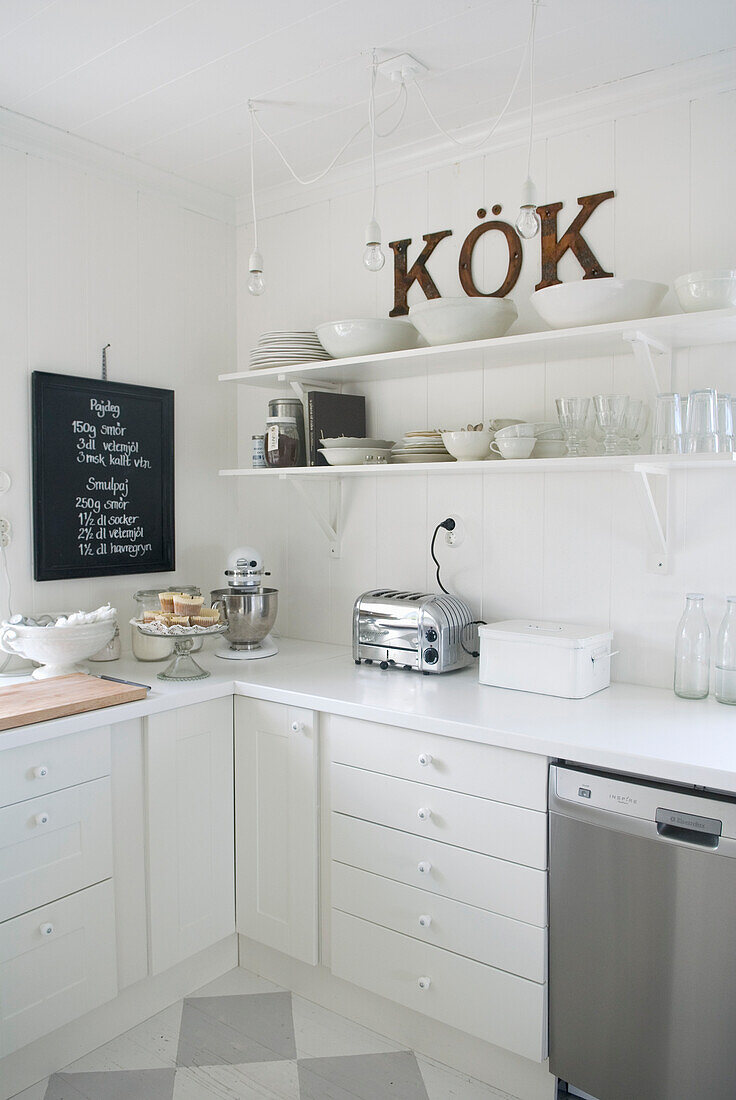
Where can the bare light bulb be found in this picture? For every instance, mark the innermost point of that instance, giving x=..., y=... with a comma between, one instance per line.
x=373, y=257
x=528, y=222
x=256, y=284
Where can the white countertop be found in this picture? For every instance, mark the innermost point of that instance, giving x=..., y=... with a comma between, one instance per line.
x=646, y=731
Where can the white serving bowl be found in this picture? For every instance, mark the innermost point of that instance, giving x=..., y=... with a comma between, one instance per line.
x=58, y=649
x=357, y=441
x=468, y=446
x=456, y=320
x=549, y=430
x=516, y=431
x=597, y=301
x=366, y=336
x=706, y=290
x=355, y=456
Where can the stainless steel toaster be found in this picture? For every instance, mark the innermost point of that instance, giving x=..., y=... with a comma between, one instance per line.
x=413, y=630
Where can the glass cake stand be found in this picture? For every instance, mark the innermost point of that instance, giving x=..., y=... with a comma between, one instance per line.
x=183, y=666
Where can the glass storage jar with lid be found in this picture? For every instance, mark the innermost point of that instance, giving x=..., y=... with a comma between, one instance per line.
x=282, y=441
x=146, y=647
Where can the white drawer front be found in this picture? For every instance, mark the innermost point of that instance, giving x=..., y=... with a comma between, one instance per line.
x=488, y=883
x=487, y=937
x=497, y=1007
x=56, y=963
x=479, y=824
x=54, y=845
x=31, y=770
x=501, y=774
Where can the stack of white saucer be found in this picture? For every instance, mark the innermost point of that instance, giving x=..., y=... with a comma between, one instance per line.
x=285, y=349
x=421, y=446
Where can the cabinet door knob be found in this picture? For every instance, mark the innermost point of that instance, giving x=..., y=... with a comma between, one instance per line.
x=42, y=818
x=46, y=929
x=297, y=727
x=40, y=772
x=425, y=759
x=424, y=867
x=424, y=813
x=424, y=983
x=425, y=920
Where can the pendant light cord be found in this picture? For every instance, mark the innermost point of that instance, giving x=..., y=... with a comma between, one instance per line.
x=252, y=110
x=372, y=124
x=535, y=4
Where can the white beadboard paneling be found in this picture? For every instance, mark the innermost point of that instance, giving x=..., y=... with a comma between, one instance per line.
x=355, y=571
x=454, y=194
x=577, y=548
x=112, y=245
x=513, y=547
x=514, y=392
x=713, y=152
x=353, y=290
x=308, y=603
x=577, y=378
x=462, y=566
x=459, y=405
x=403, y=532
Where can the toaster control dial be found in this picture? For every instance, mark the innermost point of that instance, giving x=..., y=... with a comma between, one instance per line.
x=431, y=656
x=431, y=634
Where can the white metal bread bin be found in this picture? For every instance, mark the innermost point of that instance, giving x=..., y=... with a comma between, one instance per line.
x=563, y=659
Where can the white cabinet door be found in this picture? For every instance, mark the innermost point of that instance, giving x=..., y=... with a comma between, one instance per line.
x=189, y=761
x=277, y=835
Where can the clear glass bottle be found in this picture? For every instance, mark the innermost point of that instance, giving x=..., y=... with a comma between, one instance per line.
x=692, y=650
x=726, y=655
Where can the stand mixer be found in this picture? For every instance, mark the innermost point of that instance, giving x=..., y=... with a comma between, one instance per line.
x=248, y=609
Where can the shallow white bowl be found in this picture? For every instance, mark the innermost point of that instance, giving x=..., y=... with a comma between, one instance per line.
x=366, y=336
x=456, y=320
x=468, y=446
x=354, y=456
x=516, y=431
x=597, y=301
x=356, y=441
x=706, y=290
x=58, y=649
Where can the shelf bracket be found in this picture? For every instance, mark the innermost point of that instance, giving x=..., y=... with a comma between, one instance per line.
x=330, y=521
x=660, y=371
x=657, y=513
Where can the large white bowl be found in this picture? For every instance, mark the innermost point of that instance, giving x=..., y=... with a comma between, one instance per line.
x=457, y=320
x=468, y=446
x=706, y=290
x=597, y=301
x=355, y=456
x=366, y=336
x=58, y=649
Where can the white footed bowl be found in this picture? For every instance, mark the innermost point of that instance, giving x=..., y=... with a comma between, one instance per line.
x=457, y=320
x=706, y=290
x=366, y=336
x=597, y=301
x=468, y=446
x=56, y=648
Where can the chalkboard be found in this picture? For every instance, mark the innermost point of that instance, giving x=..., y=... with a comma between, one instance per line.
x=103, y=478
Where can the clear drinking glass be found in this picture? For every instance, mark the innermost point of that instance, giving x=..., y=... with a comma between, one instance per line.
x=692, y=650
x=701, y=433
x=725, y=421
x=726, y=655
x=610, y=411
x=667, y=430
x=635, y=423
x=572, y=413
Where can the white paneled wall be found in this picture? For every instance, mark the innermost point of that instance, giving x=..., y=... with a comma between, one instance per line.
x=537, y=545
x=88, y=261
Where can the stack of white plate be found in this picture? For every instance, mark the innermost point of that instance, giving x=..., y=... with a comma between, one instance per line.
x=421, y=446
x=285, y=349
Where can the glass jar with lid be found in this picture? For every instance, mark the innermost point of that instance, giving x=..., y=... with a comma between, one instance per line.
x=282, y=442
x=146, y=647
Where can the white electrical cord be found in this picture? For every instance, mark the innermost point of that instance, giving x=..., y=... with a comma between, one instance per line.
x=528, y=49
x=253, y=175
x=531, y=88
x=372, y=124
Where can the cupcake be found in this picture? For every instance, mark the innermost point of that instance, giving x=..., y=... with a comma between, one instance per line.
x=208, y=616
x=178, y=620
x=150, y=616
x=187, y=605
x=166, y=599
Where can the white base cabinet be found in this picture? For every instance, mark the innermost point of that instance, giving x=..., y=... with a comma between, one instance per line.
x=277, y=836
x=189, y=801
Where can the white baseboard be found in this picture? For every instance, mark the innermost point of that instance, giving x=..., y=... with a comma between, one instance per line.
x=517, y=1077
x=136, y=1003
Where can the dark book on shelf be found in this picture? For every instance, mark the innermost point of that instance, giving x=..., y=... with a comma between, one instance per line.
x=329, y=416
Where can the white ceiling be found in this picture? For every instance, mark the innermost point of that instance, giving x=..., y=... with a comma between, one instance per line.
x=167, y=81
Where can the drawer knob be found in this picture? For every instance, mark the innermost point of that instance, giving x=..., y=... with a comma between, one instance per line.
x=425, y=759
x=40, y=772
x=424, y=813
x=42, y=818
x=425, y=920
x=46, y=929
x=424, y=867
x=424, y=983
x=297, y=727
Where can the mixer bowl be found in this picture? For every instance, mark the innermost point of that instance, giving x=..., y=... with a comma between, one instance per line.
x=249, y=614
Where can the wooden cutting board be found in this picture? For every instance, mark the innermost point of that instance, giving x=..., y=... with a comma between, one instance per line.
x=41, y=700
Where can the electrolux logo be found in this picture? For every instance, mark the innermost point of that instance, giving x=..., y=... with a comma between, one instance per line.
x=623, y=799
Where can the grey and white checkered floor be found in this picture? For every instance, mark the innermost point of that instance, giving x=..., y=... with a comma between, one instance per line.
x=243, y=1038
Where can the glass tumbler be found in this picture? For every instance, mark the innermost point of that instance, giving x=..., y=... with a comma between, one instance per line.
x=701, y=433
x=725, y=421
x=610, y=411
x=635, y=424
x=572, y=413
x=667, y=430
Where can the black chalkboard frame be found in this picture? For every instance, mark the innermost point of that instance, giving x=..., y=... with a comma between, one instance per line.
x=42, y=386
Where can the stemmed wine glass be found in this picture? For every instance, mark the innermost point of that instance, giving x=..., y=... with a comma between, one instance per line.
x=610, y=411
x=572, y=413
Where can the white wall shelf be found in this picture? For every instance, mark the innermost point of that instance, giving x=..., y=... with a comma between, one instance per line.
x=652, y=340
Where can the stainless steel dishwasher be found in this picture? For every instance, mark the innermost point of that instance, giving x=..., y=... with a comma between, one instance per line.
x=642, y=938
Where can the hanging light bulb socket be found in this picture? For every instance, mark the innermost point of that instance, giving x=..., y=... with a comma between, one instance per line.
x=256, y=284
x=373, y=257
x=528, y=222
